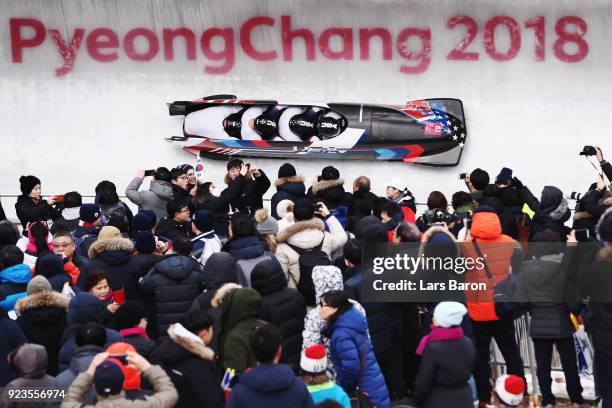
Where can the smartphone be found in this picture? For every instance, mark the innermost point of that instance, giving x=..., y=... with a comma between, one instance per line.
x=462, y=176
x=582, y=235
x=149, y=173
x=121, y=357
x=58, y=198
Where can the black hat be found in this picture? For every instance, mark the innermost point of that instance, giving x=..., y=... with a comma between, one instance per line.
x=184, y=167
x=27, y=184
x=203, y=220
x=504, y=176
x=286, y=170
x=162, y=174
x=330, y=173
x=129, y=315
x=233, y=124
x=303, y=209
x=108, y=378
x=144, y=242
x=234, y=163
x=144, y=220
x=49, y=265
x=90, y=212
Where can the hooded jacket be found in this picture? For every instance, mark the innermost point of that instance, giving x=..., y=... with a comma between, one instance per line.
x=219, y=270
x=287, y=188
x=12, y=336
x=282, y=306
x=29, y=211
x=30, y=365
x=79, y=363
x=331, y=193
x=253, y=189
x=155, y=199
x=251, y=251
x=51, y=267
x=13, y=285
x=271, y=386
x=190, y=365
x=349, y=341
x=241, y=313
x=307, y=235
x=172, y=230
x=42, y=318
x=174, y=281
x=551, y=211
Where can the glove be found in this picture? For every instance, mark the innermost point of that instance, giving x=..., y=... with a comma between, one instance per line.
x=517, y=183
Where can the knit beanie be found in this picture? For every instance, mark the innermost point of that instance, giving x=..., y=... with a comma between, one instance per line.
x=27, y=184
x=286, y=170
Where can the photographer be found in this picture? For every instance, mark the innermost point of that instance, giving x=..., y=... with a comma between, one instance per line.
x=437, y=211
x=606, y=167
x=590, y=207
x=255, y=186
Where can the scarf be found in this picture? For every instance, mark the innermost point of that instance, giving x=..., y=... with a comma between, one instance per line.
x=134, y=331
x=439, y=334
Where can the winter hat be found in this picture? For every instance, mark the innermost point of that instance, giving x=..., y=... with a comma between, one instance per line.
x=144, y=220
x=303, y=209
x=84, y=308
x=448, y=314
x=162, y=174
x=234, y=163
x=109, y=232
x=286, y=170
x=604, y=227
x=266, y=225
x=330, y=173
x=510, y=389
x=90, y=212
x=131, y=375
x=504, y=176
x=49, y=265
x=38, y=284
x=27, y=184
x=108, y=378
x=129, y=315
x=184, y=167
x=440, y=238
x=551, y=198
x=144, y=242
x=203, y=220
x=396, y=183
x=284, y=207
x=314, y=359
x=30, y=361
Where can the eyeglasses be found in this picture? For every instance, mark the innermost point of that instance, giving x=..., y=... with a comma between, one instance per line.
x=183, y=177
x=185, y=210
x=62, y=245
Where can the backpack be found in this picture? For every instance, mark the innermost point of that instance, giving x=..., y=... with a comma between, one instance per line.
x=246, y=266
x=212, y=245
x=308, y=259
x=115, y=211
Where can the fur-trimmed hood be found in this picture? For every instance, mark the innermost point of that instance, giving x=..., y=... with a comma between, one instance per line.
x=607, y=202
x=222, y=291
x=190, y=342
x=427, y=235
x=322, y=185
x=605, y=254
x=302, y=231
x=114, y=244
x=581, y=215
x=291, y=179
x=42, y=299
x=560, y=211
x=247, y=177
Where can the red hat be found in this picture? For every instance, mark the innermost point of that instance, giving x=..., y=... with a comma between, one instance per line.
x=314, y=359
x=510, y=389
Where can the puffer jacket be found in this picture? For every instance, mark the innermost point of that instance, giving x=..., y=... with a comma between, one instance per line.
x=155, y=199
x=78, y=364
x=13, y=285
x=287, y=188
x=551, y=211
x=174, y=281
x=331, y=193
x=253, y=189
x=589, y=209
x=30, y=365
x=498, y=248
x=42, y=318
x=349, y=341
x=219, y=270
x=30, y=211
x=241, y=313
x=248, y=252
x=282, y=306
x=12, y=336
x=307, y=235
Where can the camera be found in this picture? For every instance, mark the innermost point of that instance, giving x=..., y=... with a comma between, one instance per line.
x=575, y=196
x=588, y=151
x=437, y=216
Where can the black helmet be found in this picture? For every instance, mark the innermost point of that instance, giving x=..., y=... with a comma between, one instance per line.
x=265, y=126
x=302, y=126
x=233, y=124
x=329, y=127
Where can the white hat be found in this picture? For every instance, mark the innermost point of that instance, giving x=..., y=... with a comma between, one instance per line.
x=314, y=359
x=448, y=314
x=510, y=389
x=282, y=208
x=397, y=183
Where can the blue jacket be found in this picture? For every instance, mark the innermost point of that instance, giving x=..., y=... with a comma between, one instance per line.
x=349, y=339
x=331, y=391
x=270, y=386
x=13, y=285
x=287, y=188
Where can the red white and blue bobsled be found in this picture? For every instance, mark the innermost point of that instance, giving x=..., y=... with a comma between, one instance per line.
x=429, y=131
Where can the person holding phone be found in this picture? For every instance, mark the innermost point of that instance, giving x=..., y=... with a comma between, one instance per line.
x=158, y=195
x=30, y=205
x=255, y=186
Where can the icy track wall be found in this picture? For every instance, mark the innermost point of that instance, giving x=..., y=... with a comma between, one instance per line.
x=84, y=83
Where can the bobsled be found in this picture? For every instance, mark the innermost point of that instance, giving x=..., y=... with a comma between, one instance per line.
x=429, y=131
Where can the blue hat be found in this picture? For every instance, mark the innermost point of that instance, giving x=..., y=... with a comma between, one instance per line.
x=144, y=220
x=504, y=176
x=90, y=212
x=203, y=220
x=108, y=378
x=144, y=242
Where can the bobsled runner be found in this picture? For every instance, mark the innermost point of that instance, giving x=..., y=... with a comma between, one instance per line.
x=429, y=131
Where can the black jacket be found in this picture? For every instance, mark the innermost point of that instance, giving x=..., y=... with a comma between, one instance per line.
x=589, y=209
x=12, y=336
x=282, y=306
x=62, y=224
x=331, y=193
x=42, y=318
x=287, y=188
x=168, y=228
x=220, y=269
x=444, y=371
x=251, y=195
x=144, y=346
x=361, y=206
x=219, y=206
x=550, y=213
x=29, y=211
x=174, y=281
x=182, y=196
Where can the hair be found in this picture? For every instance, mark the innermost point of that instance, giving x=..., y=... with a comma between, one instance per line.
x=90, y=334
x=378, y=205
x=175, y=206
x=196, y=320
x=352, y=251
x=11, y=255
x=64, y=234
x=391, y=208
x=461, y=198
x=479, y=179
x=243, y=226
x=72, y=199
x=203, y=194
x=40, y=232
x=162, y=174
x=94, y=277
x=106, y=193
x=270, y=241
x=437, y=200
x=314, y=379
x=182, y=246
x=234, y=163
x=265, y=341
x=408, y=232
x=361, y=183
x=546, y=242
x=337, y=299
x=175, y=173
x=121, y=223
x=9, y=234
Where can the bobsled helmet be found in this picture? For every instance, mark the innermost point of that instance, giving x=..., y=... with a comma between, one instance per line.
x=233, y=124
x=329, y=127
x=265, y=127
x=302, y=126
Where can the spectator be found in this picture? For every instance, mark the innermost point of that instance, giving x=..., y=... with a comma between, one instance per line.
x=476, y=182
x=173, y=282
x=9, y=234
x=407, y=232
x=241, y=312
x=447, y=361
x=86, y=234
x=90, y=339
x=107, y=377
x=146, y=252
x=328, y=189
x=284, y=210
x=192, y=179
x=398, y=192
x=37, y=242
x=69, y=218
x=13, y=277
x=132, y=383
x=176, y=224
x=306, y=234
x=284, y=307
x=131, y=323
x=42, y=318
x=180, y=181
x=74, y=263
x=363, y=201
x=592, y=205
x=30, y=206
x=110, y=204
x=206, y=242
x=255, y=186
x=190, y=363
x=269, y=384
x=437, y=211
x=29, y=362
x=313, y=364
x=12, y=336
x=97, y=284
x=144, y=220
x=267, y=228
x=158, y=195
x=391, y=215
x=51, y=267
x=219, y=270
x=351, y=350
x=289, y=186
